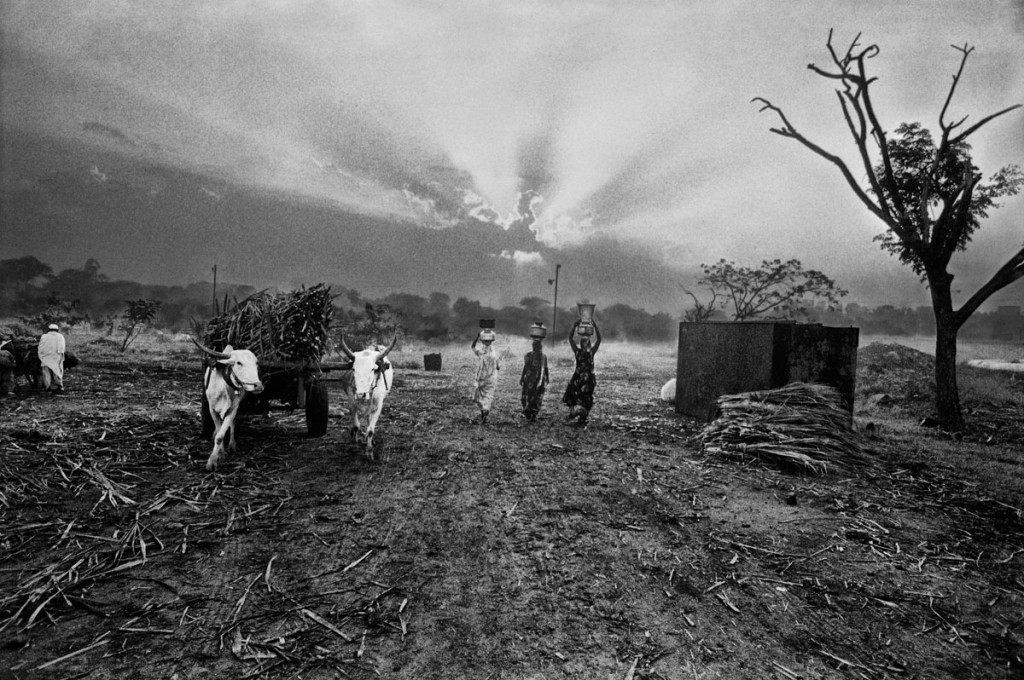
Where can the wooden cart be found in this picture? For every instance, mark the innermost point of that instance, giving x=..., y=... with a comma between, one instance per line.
x=287, y=385
x=289, y=332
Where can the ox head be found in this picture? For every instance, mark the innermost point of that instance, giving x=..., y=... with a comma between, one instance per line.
x=240, y=367
x=369, y=367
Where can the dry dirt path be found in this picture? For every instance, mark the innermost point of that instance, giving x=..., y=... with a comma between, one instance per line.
x=515, y=550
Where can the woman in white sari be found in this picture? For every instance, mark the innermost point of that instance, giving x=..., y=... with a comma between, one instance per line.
x=486, y=373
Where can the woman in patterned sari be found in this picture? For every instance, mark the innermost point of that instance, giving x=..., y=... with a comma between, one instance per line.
x=579, y=393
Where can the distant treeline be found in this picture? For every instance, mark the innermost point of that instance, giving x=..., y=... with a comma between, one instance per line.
x=29, y=287
x=1006, y=324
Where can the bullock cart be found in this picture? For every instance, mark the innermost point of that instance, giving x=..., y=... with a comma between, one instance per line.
x=23, y=351
x=290, y=334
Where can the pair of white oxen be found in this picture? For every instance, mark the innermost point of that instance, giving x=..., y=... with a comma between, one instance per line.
x=235, y=372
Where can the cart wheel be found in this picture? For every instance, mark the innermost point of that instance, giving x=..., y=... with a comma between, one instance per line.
x=204, y=413
x=316, y=409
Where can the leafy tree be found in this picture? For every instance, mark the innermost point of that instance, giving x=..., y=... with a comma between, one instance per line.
x=18, y=294
x=440, y=305
x=408, y=304
x=929, y=196
x=137, y=314
x=629, y=323
x=467, y=312
x=438, y=317
x=58, y=310
x=21, y=271
x=354, y=299
x=916, y=162
x=92, y=270
x=537, y=307
x=89, y=286
x=777, y=288
x=378, y=325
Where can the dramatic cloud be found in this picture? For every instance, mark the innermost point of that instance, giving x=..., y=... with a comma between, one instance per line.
x=558, y=122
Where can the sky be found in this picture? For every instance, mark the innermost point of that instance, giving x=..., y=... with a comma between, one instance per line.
x=617, y=139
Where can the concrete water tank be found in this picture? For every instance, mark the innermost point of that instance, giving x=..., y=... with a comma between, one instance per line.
x=717, y=358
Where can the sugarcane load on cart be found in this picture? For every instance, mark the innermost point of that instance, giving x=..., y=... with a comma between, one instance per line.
x=289, y=332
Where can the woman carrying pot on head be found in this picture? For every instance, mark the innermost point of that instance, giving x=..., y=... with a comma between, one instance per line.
x=535, y=374
x=487, y=368
x=579, y=393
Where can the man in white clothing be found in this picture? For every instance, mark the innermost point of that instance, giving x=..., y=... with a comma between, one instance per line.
x=51, y=356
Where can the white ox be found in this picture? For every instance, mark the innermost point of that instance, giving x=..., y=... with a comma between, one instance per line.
x=235, y=373
x=366, y=386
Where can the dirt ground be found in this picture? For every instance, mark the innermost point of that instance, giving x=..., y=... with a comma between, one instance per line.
x=511, y=550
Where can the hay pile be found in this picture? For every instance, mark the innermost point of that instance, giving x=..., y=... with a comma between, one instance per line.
x=279, y=326
x=799, y=425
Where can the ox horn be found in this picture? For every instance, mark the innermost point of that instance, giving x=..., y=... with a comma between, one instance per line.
x=344, y=348
x=394, y=342
x=212, y=353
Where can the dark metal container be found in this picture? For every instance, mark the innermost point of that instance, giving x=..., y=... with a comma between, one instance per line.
x=432, y=362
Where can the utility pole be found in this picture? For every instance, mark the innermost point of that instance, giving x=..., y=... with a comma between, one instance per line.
x=554, y=306
x=213, y=310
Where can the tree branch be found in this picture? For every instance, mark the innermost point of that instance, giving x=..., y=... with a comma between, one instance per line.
x=944, y=233
x=952, y=88
x=859, y=132
x=969, y=131
x=791, y=132
x=1010, y=272
x=889, y=177
x=700, y=311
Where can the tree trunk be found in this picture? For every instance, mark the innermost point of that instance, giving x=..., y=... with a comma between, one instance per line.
x=947, y=394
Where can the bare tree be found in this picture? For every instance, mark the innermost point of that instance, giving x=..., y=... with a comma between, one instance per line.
x=701, y=311
x=930, y=201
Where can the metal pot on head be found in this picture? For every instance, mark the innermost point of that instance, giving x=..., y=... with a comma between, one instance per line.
x=586, y=311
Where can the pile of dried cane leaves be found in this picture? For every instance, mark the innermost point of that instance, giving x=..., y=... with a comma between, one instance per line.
x=801, y=425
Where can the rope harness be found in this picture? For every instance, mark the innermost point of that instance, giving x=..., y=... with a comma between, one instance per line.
x=227, y=372
x=380, y=371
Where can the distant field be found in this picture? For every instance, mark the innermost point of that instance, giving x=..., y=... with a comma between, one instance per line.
x=966, y=349
x=614, y=354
